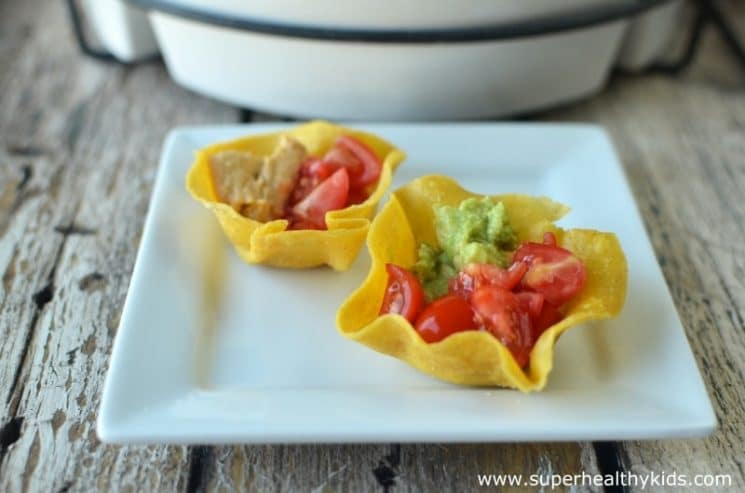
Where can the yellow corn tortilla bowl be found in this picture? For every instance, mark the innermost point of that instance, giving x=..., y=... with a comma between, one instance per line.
x=475, y=357
x=271, y=243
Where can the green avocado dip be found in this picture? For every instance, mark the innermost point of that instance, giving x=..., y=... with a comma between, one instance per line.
x=477, y=231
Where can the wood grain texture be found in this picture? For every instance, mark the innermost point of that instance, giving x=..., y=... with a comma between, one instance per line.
x=79, y=143
x=81, y=160
x=392, y=467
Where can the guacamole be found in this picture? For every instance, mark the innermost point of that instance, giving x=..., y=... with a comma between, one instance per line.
x=477, y=231
x=434, y=268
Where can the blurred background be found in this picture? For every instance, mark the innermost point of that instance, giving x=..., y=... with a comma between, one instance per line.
x=415, y=60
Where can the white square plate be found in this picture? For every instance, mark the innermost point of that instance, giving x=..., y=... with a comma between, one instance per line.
x=212, y=350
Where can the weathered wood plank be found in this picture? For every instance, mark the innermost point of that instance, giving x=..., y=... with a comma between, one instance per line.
x=390, y=467
x=91, y=136
x=31, y=143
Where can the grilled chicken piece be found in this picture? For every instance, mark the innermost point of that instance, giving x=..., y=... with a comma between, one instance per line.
x=235, y=176
x=257, y=187
x=280, y=172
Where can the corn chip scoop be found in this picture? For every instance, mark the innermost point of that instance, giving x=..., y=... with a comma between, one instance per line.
x=271, y=243
x=475, y=357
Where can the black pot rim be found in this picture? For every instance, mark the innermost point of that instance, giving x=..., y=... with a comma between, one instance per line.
x=581, y=19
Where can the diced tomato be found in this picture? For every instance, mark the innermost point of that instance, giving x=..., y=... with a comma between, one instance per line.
x=493, y=275
x=307, y=180
x=461, y=285
x=549, y=238
x=542, y=314
x=554, y=272
x=357, y=196
x=299, y=223
x=340, y=157
x=475, y=276
x=371, y=165
x=303, y=186
x=445, y=316
x=500, y=312
x=321, y=169
x=313, y=171
x=531, y=302
x=362, y=167
x=403, y=294
x=549, y=316
x=330, y=195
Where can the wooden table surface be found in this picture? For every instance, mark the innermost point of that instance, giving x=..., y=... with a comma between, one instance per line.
x=79, y=145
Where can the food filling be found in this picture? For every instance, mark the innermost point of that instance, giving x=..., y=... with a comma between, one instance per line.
x=290, y=184
x=479, y=278
x=475, y=232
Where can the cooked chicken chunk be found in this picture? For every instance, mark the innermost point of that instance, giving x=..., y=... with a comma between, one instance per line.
x=257, y=187
x=235, y=175
x=280, y=172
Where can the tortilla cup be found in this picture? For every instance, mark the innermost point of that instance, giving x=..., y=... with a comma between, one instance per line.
x=271, y=243
x=475, y=357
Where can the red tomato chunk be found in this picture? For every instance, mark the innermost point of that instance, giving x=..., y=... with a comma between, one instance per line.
x=516, y=305
x=337, y=180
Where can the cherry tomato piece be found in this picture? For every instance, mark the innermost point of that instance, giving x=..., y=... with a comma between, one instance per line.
x=554, y=272
x=475, y=276
x=299, y=223
x=329, y=195
x=371, y=165
x=549, y=316
x=321, y=169
x=443, y=317
x=340, y=157
x=403, y=294
x=500, y=312
x=531, y=302
x=492, y=275
x=357, y=196
x=305, y=183
x=461, y=285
